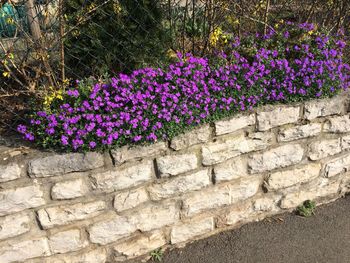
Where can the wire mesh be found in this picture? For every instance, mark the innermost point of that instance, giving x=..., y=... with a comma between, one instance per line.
x=46, y=43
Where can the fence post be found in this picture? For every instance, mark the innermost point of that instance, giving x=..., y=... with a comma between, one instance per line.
x=33, y=20
x=61, y=22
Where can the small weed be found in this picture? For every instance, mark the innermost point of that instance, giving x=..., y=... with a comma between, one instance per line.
x=157, y=254
x=307, y=209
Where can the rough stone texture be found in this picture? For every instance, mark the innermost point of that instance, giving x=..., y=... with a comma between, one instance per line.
x=66, y=163
x=338, y=124
x=94, y=256
x=206, y=200
x=284, y=179
x=154, y=216
x=15, y=200
x=281, y=156
x=232, y=169
x=221, y=195
x=234, y=124
x=9, y=172
x=277, y=116
x=165, y=195
x=130, y=199
x=322, y=149
x=345, y=143
x=177, y=164
x=110, y=230
x=188, y=231
x=62, y=215
x=244, y=188
x=69, y=189
x=237, y=214
x=127, y=153
x=345, y=184
x=255, y=142
x=221, y=151
x=196, y=136
x=267, y=204
x=19, y=251
x=14, y=225
x=337, y=166
x=179, y=185
x=323, y=189
x=119, y=179
x=299, y=132
x=325, y=107
x=67, y=241
x=138, y=246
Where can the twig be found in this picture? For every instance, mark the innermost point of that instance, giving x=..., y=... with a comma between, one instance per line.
x=266, y=16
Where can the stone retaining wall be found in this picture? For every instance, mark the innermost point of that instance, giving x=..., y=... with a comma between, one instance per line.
x=115, y=206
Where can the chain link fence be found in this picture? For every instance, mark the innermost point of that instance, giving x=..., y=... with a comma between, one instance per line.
x=47, y=44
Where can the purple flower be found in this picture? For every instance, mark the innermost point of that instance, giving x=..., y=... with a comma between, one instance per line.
x=341, y=44
x=21, y=128
x=286, y=34
x=41, y=114
x=152, y=137
x=307, y=26
x=73, y=93
x=151, y=103
x=50, y=131
x=137, y=138
x=64, y=140
x=29, y=136
x=77, y=143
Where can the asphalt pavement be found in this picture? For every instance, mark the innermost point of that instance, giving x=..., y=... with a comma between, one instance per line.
x=287, y=238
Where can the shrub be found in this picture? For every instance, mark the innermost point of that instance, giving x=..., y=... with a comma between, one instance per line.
x=307, y=209
x=117, y=36
x=153, y=104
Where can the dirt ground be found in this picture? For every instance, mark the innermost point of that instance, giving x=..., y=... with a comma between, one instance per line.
x=323, y=238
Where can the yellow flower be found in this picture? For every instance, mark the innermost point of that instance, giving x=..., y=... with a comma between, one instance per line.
x=280, y=22
x=215, y=36
x=330, y=2
x=65, y=83
x=259, y=6
x=53, y=95
x=10, y=21
x=91, y=7
x=6, y=74
x=171, y=54
x=224, y=39
x=218, y=36
x=233, y=20
x=312, y=32
x=117, y=8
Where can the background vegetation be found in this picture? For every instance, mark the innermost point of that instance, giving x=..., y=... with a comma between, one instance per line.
x=46, y=45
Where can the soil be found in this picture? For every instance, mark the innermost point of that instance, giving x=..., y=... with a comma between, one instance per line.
x=287, y=238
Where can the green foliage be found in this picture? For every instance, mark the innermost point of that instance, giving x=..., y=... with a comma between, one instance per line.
x=158, y=104
x=307, y=209
x=157, y=255
x=119, y=35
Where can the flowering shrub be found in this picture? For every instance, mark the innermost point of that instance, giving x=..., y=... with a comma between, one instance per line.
x=294, y=64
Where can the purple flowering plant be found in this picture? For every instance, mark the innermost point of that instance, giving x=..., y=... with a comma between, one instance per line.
x=293, y=63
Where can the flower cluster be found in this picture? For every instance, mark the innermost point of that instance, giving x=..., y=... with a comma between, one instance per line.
x=154, y=104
